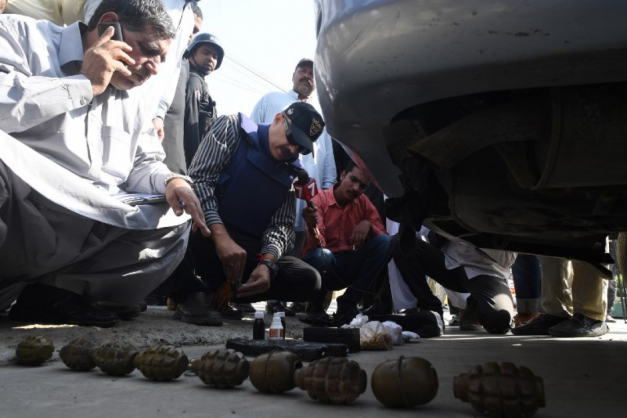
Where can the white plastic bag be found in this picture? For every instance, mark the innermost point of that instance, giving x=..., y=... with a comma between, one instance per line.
x=374, y=336
x=395, y=332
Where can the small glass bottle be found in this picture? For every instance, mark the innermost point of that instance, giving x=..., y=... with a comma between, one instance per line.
x=282, y=316
x=276, y=329
x=259, y=326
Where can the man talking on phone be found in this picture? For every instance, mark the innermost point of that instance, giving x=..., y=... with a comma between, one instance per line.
x=77, y=145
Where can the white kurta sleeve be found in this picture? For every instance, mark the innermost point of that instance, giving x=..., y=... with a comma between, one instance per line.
x=26, y=100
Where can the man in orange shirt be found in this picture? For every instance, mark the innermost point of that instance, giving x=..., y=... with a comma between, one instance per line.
x=351, y=246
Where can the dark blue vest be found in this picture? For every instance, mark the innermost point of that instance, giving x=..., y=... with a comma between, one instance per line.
x=252, y=186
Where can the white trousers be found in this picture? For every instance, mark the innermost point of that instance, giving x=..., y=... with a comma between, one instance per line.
x=43, y=242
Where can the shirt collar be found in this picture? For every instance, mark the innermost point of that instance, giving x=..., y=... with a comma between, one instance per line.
x=294, y=95
x=331, y=196
x=71, y=48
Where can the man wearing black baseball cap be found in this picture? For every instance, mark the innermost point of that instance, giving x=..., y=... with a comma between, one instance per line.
x=243, y=174
x=304, y=126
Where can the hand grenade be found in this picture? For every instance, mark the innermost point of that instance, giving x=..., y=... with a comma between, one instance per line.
x=334, y=380
x=33, y=351
x=501, y=390
x=115, y=358
x=273, y=372
x=405, y=382
x=221, y=368
x=161, y=363
x=77, y=355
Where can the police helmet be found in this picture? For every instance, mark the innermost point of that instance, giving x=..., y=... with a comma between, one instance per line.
x=206, y=38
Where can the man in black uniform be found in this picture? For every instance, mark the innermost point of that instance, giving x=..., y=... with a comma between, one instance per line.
x=205, y=54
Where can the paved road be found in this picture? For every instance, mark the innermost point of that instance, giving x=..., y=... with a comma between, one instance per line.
x=582, y=378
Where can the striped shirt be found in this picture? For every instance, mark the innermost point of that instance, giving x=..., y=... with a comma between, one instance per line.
x=214, y=153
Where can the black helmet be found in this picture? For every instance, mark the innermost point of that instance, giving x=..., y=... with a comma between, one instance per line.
x=206, y=38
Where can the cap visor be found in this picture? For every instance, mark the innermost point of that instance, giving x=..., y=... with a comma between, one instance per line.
x=301, y=138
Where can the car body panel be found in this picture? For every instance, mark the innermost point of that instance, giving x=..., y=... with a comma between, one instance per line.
x=376, y=58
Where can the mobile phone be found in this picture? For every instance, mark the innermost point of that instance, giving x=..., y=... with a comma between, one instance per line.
x=102, y=27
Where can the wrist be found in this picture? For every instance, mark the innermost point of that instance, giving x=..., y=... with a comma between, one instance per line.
x=273, y=268
x=173, y=176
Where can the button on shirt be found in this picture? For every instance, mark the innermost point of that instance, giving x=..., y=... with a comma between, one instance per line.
x=336, y=224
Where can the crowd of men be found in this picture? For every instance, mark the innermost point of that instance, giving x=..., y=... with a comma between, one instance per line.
x=111, y=188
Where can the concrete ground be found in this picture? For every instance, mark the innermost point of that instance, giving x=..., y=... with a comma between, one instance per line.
x=582, y=377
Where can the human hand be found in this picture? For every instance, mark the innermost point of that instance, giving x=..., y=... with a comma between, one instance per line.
x=181, y=198
x=158, y=124
x=233, y=257
x=360, y=234
x=310, y=215
x=105, y=57
x=258, y=282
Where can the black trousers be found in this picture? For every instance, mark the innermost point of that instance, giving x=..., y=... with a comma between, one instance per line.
x=488, y=294
x=295, y=281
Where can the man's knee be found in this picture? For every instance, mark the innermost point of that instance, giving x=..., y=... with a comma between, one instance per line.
x=320, y=259
x=381, y=242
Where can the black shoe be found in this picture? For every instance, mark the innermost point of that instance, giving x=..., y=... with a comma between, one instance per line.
x=155, y=299
x=377, y=309
x=316, y=316
x=231, y=312
x=296, y=307
x=126, y=311
x=247, y=308
x=198, y=310
x=274, y=306
x=579, y=325
x=468, y=322
x=499, y=323
x=344, y=315
x=47, y=304
x=539, y=326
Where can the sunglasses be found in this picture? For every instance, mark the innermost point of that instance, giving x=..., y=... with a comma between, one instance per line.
x=290, y=137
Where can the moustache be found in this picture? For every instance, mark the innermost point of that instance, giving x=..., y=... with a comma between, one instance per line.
x=286, y=153
x=307, y=79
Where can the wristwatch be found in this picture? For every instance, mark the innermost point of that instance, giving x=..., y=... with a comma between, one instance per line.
x=274, y=269
x=173, y=176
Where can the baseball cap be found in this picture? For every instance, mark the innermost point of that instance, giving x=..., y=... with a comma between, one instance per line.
x=304, y=125
x=305, y=61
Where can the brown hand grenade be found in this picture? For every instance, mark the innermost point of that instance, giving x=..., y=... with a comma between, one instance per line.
x=221, y=368
x=33, y=351
x=273, y=372
x=501, y=390
x=334, y=380
x=115, y=358
x=405, y=382
x=161, y=363
x=77, y=355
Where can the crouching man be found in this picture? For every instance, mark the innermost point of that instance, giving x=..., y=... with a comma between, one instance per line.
x=76, y=147
x=349, y=244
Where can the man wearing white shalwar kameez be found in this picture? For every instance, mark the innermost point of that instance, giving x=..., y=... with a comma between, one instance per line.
x=75, y=144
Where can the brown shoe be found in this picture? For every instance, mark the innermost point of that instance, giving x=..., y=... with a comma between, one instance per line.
x=468, y=321
x=524, y=318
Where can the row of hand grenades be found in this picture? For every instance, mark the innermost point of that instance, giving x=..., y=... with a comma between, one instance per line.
x=496, y=390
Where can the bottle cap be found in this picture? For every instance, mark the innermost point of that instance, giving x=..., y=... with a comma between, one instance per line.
x=276, y=322
x=259, y=315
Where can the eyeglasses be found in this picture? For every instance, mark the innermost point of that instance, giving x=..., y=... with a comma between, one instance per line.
x=290, y=138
